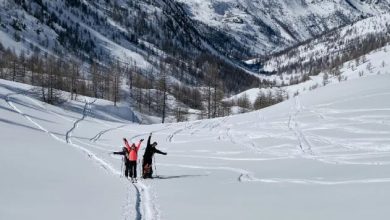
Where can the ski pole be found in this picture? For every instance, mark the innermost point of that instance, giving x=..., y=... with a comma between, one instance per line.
x=155, y=168
x=140, y=167
x=122, y=167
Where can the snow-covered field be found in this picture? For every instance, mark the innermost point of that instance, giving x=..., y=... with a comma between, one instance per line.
x=323, y=155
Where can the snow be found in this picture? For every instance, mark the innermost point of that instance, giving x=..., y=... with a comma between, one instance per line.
x=333, y=43
x=42, y=177
x=11, y=43
x=378, y=59
x=40, y=36
x=291, y=21
x=253, y=93
x=323, y=154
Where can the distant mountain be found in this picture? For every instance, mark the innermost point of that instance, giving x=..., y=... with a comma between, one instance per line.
x=137, y=33
x=190, y=40
x=123, y=29
x=266, y=26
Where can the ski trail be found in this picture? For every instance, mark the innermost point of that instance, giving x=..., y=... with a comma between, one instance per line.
x=149, y=207
x=230, y=136
x=143, y=194
x=219, y=123
x=170, y=137
x=345, y=159
x=188, y=126
x=246, y=176
x=131, y=204
x=89, y=153
x=304, y=144
x=243, y=175
x=147, y=133
x=99, y=135
x=228, y=158
x=195, y=127
x=149, y=212
x=75, y=124
x=47, y=110
x=248, y=144
x=138, y=202
x=9, y=102
x=323, y=182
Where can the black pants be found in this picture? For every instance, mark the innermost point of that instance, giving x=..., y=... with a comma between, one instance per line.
x=131, y=169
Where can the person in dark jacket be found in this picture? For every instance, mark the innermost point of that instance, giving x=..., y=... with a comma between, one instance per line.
x=150, y=150
x=129, y=151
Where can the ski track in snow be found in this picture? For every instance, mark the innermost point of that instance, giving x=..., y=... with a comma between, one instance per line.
x=138, y=202
x=170, y=137
x=243, y=175
x=227, y=158
x=340, y=158
x=305, y=146
x=149, y=208
x=247, y=176
x=75, y=124
x=99, y=135
x=9, y=102
x=323, y=182
x=187, y=126
x=143, y=195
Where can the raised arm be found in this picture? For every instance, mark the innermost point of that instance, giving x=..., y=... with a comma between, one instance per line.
x=126, y=143
x=139, y=144
x=150, y=136
x=160, y=152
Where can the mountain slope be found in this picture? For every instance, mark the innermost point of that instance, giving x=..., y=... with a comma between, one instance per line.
x=190, y=46
x=137, y=29
x=271, y=25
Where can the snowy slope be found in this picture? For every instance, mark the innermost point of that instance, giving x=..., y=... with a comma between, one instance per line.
x=42, y=177
x=323, y=155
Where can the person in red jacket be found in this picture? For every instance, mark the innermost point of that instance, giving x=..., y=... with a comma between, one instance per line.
x=130, y=153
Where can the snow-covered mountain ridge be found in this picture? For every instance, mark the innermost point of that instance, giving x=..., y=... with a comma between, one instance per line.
x=142, y=34
x=357, y=38
x=139, y=29
x=183, y=39
x=350, y=52
x=269, y=25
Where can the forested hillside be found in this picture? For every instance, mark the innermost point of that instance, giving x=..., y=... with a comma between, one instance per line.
x=166, y=58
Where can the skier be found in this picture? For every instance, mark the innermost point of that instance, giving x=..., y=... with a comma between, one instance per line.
x=150, y=150
x=130, y=158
